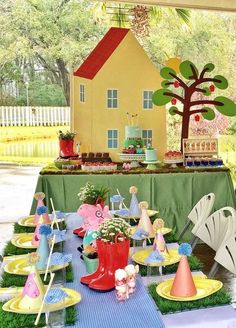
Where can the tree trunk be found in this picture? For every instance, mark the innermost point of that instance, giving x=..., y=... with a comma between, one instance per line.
x=185, y=125
x=65, y=79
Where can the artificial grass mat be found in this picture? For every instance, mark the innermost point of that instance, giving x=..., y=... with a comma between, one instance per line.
x=10, y=280
x=13, y=320
x=11, y=249
x=221, y=297
x=22, y=229
x=194, y=263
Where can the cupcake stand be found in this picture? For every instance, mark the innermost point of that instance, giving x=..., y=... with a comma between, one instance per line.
x=134, y=159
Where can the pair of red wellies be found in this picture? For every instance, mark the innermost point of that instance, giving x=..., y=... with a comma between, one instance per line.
x=111, y=256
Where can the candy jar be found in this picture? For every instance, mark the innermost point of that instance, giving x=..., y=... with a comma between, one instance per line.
x=131, y=271
x=121, y=285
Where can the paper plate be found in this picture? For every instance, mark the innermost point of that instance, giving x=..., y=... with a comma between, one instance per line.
x=28, y=221
x=204, y=286
x=73, y=298
x=164, y=231
x=172, y=257
x=21, y=267
x=23, y=240
x=149, y=212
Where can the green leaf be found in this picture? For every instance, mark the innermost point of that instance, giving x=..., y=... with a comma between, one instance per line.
x=223, y=84
x=172, y=109
x=165, y=73
x=228, y=108
x=186, y=69
x=208, y=92
x=184, y=15
x=159, y=99
x=210, y=67
x=209, y=115
x=165, y=84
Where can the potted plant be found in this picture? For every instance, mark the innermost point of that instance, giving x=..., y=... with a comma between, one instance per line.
x=113, y=250
x=66, y=143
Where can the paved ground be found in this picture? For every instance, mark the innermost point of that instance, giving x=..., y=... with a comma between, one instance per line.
x=17, y=186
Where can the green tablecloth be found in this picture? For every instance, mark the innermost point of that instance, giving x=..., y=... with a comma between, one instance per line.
x=173, y=194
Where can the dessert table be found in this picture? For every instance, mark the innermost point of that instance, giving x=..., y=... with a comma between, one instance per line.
x=173, y=192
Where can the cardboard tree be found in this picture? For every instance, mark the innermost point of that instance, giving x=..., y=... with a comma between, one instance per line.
x=193, y=82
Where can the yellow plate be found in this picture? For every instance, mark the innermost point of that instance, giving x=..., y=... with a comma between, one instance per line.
x=28, y=221
x=23, y=240
x=21, y=267
x=149, y=212
x=205, y=287
x=172, y=257
x=164, y=231
x=73, y=298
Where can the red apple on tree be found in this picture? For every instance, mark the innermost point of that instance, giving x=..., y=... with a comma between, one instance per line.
x=212, y=88
x=173, y=101
x=176, y=84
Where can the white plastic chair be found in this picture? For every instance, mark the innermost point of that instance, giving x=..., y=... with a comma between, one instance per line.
x=199, y=213
x=225, y=254
x=217, y=227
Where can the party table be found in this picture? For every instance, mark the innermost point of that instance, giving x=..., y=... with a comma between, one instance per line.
x=173, y=193
x=102, y=310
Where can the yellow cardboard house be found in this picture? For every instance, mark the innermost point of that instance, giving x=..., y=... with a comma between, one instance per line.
x=117, y=77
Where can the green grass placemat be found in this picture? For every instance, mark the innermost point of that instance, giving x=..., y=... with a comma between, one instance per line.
x=20, y=229
x=221, y=297
x=15, y=320
x=10, y=280
x=194, y=263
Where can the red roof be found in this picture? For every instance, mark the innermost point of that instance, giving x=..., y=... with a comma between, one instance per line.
x=100, y=54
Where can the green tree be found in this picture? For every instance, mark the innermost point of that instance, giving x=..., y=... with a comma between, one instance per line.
x=50, y=34
x=191, y=81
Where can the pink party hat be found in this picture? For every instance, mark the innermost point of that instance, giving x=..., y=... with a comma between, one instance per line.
x=36, y=235
x=39, y=196
x=33, y=291
x=145, y=222
x=183, y=285
x=159, y=242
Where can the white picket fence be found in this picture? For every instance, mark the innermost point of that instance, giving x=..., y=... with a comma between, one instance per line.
x=34, y=116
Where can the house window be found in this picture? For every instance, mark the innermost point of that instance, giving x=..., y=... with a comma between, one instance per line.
x=112, y=98
x=112, y=138
x=82, y=93
x=146, y=136
x=147, y=100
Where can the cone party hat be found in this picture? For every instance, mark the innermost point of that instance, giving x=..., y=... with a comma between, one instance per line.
x=145, y=222
x=159, y=241
x=134, y=206
x=43, y=248
x=33, y=292
x=38, y=196
x=183, y=285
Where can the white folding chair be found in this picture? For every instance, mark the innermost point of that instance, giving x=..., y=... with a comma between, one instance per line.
x=216, y=228
x=226, y=254
x=199, y=213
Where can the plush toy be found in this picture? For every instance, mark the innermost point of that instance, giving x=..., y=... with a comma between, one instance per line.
x=93, y=215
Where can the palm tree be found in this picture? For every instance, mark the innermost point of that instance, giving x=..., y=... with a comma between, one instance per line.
x=138, y=17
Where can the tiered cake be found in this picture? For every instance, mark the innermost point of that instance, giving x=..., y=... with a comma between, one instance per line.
x=133, y=143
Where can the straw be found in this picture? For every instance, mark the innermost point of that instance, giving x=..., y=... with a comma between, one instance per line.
x=49, y=258
x=54, y=216
x=44, y=298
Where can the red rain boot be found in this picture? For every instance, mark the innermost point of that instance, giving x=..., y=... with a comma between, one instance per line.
x=66, y=148
x=101, y=265
x=116, y=258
